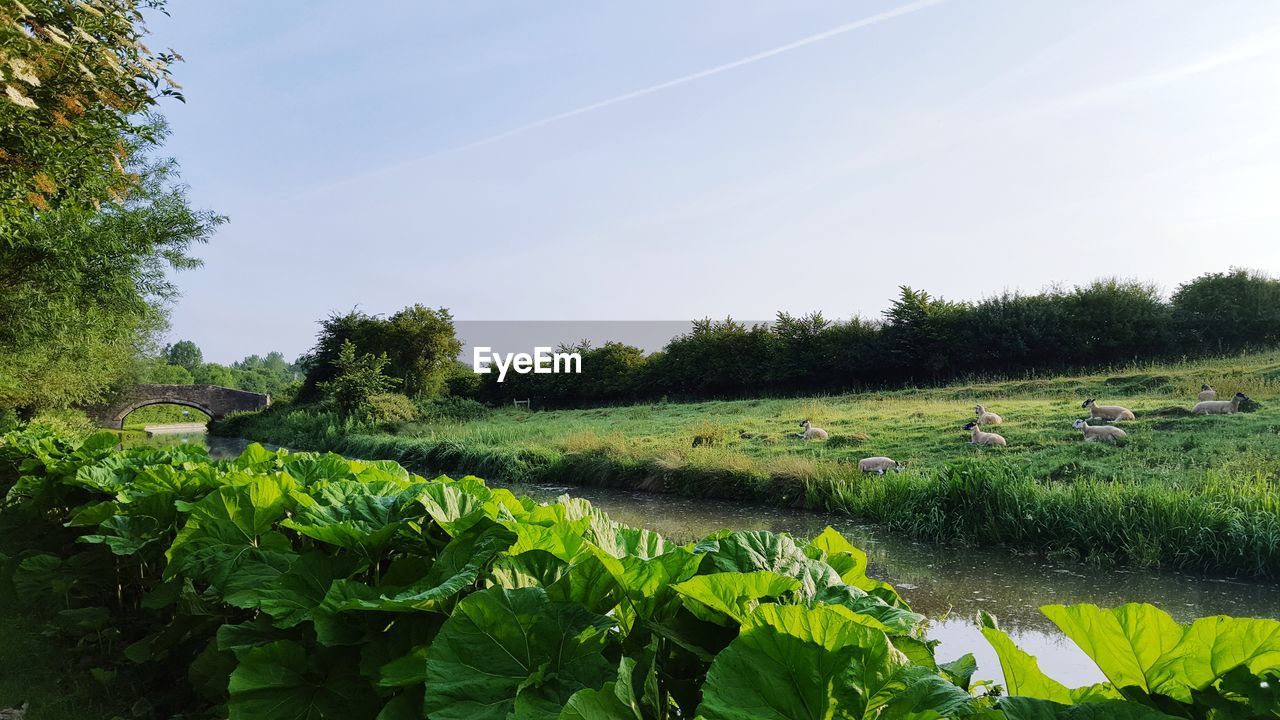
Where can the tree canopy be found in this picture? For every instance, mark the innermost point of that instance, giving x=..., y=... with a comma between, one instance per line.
x=92, y=219
x=76, y=87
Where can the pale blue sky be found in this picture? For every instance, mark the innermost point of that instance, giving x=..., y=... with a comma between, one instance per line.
x=364, y=153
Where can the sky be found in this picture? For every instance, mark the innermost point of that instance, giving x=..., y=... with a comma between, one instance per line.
x=669, y=160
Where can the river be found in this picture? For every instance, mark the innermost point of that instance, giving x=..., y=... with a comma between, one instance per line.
x=948, y=584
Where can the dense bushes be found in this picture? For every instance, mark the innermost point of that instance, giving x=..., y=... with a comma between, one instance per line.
x=922, y=340
x=311, y=586
x=418, y=343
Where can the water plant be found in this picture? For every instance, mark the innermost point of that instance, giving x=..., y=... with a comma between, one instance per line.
x=305, y=585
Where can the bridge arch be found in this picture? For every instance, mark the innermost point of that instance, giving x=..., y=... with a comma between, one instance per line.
x=213, y=400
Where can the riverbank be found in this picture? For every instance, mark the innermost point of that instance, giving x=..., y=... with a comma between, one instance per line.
x=1181, y=492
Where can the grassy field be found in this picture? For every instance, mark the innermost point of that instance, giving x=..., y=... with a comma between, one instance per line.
x=1182, y=491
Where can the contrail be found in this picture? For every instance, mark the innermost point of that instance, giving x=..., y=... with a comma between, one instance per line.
x=726, y=67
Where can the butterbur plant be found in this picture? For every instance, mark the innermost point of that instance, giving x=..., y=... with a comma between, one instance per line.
x=309, y=586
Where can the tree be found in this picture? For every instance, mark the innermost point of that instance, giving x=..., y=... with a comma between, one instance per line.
x=215, y=374
x=185, y=354
x=919, y=332
x=1227, y=312
x=158, y=372
x=358, y=378
x=84, y=292
x=419, y=343
x=76, y=85
x=90, y=225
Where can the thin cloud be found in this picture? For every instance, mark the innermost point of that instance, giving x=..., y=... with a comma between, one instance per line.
x=682, y=80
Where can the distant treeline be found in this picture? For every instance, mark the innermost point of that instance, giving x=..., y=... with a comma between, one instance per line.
x=920, y=340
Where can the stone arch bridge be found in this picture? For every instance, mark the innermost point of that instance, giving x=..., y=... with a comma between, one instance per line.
x=213, y=400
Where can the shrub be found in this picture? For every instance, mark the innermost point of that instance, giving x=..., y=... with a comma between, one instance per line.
x=390, y=409
x=70, y=423
x=459, y=409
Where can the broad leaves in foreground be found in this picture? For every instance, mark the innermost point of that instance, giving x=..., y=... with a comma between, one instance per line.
x=299, y=586
x=505, y=651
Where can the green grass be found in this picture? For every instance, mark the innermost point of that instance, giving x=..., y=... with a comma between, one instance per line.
x=1180, y=491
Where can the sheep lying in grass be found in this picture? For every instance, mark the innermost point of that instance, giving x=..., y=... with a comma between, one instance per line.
x=978, y=437
x=1094, y=433
x=1219, y=407
x=985, y=417
x=811, y=432
x=1110, y=413
x=1207, y=393
x=878, y=465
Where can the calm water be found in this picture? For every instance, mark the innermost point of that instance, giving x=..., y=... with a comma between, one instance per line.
x=948, y=584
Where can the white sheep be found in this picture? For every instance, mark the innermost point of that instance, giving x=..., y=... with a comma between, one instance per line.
x=978, y=437
x=985, y=417
x=1219, y=407
x=1207, y=393
x=1110, y=413
x=878, y=465
x=1094, y=433
x=811, y=432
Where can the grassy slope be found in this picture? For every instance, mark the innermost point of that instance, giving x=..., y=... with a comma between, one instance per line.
x=923, y=427
x=1187, y=492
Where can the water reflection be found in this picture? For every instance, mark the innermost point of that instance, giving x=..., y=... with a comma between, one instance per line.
x=948, y=584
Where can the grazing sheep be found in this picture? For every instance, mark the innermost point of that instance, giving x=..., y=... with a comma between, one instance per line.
x=878, y=465
x=1207, y=393
x=1219, y=407
x=811, y=432
x=1094, y=433
x=978, y=437
x=985, y=417
x=1110, y=413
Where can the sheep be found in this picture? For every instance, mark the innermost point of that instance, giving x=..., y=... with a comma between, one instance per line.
x=1219, y=407
x=811, y=432
x=1207, y=393
x=985, y=417
x=1110, y=413
x=878, y=465
x=1093, y=433
x=977, y=437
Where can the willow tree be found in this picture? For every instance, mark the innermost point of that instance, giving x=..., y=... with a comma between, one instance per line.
x=90, y=222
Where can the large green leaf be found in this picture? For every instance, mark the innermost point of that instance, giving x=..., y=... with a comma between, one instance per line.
x=633, y=695
x=1125, y=643
x=1024, y=708
x=1214, y=646
x=793, y=663
x=1022, y=674
x=457, y=568
x=354, y=515
x=760, y=550
x=733, y=594
x=290, y=597
x=453, y=508
x=282, y=681
x=890, y=618
x=502, y=646
x=309, y=468
x=851, y=563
